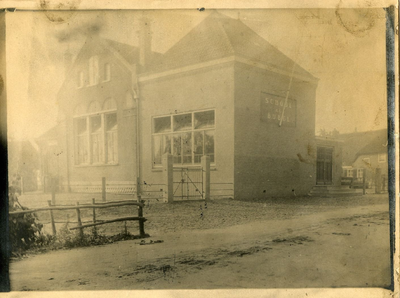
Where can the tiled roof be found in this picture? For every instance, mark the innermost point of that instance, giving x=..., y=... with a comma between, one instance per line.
x=219, y=36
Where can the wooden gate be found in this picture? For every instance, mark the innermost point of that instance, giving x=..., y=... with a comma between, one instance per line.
x=324, y=165
x=188, y=184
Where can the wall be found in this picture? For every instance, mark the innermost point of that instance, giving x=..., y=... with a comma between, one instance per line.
x=271, y=160
x=117, y=88
x=207, y=88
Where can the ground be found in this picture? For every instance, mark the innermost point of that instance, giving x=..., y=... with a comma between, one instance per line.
x=275, y=243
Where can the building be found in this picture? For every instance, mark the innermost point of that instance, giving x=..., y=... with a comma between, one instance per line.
x=372, y=157
x=220, y=91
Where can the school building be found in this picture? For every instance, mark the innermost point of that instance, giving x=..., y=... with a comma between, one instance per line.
x=220, y=91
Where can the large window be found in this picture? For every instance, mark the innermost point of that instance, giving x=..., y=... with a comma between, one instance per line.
x=186, y=136
x=96, y=134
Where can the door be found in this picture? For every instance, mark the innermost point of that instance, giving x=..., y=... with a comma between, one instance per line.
x=324, y=165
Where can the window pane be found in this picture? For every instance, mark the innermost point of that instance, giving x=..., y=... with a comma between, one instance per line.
x=157, y=149
x=107, y=72
x=111, y=121
x=112, y=146
x=95, y=123
x=198, y=146
x=97, y=148
x=209, y=144
x=167, y=144
x=177, y=149
x=162, y=124
x=80, y=125
x=182, y=122
x=187, y=147
x=204, y=119
x=82, y=149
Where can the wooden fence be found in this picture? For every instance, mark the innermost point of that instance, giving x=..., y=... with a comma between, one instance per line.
x=92, y=206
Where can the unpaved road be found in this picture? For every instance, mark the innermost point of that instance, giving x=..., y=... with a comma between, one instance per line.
x=346, y=247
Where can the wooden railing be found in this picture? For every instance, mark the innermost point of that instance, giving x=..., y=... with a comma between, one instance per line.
x=92, y=206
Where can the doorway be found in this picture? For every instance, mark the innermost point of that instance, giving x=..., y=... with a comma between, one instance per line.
x=324, y=165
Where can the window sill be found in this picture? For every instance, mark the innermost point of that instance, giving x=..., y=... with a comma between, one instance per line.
x=96, y=165
x=160, y=168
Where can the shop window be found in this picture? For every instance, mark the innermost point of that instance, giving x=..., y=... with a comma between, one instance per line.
x=96, y=134
x=93, y=70
x=186, y=136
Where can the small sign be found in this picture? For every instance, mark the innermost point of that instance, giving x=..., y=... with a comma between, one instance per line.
x=274, y=107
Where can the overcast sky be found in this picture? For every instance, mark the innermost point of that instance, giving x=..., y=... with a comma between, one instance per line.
x=345, y=49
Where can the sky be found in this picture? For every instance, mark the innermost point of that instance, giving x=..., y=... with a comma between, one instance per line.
x=344, y=48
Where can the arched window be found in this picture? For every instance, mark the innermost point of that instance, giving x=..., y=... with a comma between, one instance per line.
x=109, y=104
x=96, y=133
x=94, y=107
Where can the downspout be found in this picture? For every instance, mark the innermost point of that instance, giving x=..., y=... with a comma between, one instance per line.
x=135, y=91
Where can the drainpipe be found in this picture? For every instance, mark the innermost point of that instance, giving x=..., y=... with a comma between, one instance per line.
x=135, y=91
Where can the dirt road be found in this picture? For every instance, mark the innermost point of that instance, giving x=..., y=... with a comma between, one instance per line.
x=346, y=247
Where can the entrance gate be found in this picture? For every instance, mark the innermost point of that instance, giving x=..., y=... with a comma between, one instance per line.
x=324, y=165
x=188, y=184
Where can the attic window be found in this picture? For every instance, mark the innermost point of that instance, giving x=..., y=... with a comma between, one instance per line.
x=107, y=72
x=93, y=70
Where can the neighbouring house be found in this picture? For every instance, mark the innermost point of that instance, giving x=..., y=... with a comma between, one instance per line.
x=371, y=155
x=220, y=91
x=23, y=165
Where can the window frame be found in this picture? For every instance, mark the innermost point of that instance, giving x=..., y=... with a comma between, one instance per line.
x=380, y=155
x=172, y=132
x=103, y=155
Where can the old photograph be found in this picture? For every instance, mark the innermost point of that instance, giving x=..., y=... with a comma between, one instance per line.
x=198, y=149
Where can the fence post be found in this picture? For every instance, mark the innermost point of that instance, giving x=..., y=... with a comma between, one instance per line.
x=168, y=177
x=94, y=217
x=53, y=191
x=140, y=209
x=53, y=225
x=364, y=172
x=205, y=164
x=78, y=216
x=378, y=181
x=103, y=189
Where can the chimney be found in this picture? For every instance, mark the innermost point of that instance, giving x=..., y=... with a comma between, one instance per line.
x=144, y=42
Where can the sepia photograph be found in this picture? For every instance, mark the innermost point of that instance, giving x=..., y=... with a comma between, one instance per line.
x=200, y=149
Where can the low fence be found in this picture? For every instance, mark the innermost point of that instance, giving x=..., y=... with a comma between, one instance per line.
x=95, y=222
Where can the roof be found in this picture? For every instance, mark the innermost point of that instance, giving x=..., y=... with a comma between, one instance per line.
x=51, y=134
x=219, y=36
x=376, y=146
x=357, y=141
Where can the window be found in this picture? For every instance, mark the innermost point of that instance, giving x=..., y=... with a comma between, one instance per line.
x=107, y=72
x=382, y=157
x=186, y=136
x=96, y=133
x=349, y=173
x=360, y=173
x=93, y=70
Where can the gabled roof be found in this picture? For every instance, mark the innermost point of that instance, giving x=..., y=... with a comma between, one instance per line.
x=219, y=36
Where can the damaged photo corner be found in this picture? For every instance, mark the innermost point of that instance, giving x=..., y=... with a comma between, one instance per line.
x=250, y=151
